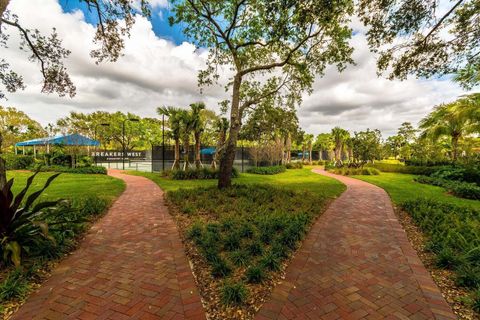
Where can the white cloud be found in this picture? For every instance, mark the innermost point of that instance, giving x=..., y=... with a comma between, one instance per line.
x=155, y=71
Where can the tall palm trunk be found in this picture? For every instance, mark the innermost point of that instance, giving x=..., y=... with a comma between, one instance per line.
x=455, y=138
x=198, y=160
x=176, y=163
x=3, y=171
x=186, y=145
x=310, y=157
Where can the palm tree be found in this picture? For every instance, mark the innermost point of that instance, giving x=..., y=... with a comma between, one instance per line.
x=454, y=120
x=198, y=127
x=324, y=143
x=339, y=136
x=309, y=144
x=175, y=120
x=221, y=128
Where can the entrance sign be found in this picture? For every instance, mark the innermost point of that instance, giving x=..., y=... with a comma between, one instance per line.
x=100, y=156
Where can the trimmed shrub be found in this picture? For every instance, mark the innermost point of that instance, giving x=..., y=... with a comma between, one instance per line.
x=17, y=162
x=294, y=165
x=365, y=171
x=79, y=170
x=387, y=167
x=458, y=188
x=267, y=170
x=197, y=174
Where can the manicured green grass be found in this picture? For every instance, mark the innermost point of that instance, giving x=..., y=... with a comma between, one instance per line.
x=295, y=179
x=69, y=185
x=401, y=187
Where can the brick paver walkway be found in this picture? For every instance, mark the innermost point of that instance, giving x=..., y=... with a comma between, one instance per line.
x=356, y=263
x=131, y=265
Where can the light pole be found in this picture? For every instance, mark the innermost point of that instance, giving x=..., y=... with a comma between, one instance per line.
x=95, y=136
x=123, y=139
x=163, y=143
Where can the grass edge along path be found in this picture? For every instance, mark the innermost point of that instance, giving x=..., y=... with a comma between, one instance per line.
x=19, y=284
x=129, y=266
x=401, y=188
x=356, y=262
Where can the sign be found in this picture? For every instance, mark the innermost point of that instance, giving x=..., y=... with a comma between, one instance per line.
x=100, y=156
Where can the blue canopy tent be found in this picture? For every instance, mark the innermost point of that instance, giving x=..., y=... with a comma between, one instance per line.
x=208, y=151
x=66, y=140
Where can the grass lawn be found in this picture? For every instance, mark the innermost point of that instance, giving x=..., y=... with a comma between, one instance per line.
x=296, y=179
x=69, y=185
x=401, y=187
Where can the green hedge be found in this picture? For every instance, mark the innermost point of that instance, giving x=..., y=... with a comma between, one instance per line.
x=17, y=162
x=365, y=171
x=267, y=170
x=294, y=165
x=453, y=234
x=81, y=170
x=388, y=167
x=458, y=188
x=196, y=174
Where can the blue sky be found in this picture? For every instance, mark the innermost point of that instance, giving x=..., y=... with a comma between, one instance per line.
x=159, y=20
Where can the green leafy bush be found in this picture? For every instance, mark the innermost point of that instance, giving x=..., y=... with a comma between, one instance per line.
x=21, y=223
x=17, y=162
x=294, y=165
x=453, y=233
x=80, y=170
x=233, y=293
x=267, y=170
x=388, y=167
x=197, y=174
x=365, y=171
x=458, y=188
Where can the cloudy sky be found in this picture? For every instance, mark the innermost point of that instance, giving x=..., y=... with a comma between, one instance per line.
x=160, y=66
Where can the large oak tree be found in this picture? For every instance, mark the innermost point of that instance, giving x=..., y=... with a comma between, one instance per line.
x=115, y=19
x=274, y=49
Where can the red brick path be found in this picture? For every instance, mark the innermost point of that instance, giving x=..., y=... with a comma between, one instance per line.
x=356, y=263
x=131, y=265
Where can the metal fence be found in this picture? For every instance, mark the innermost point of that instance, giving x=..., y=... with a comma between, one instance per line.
x=159, y=159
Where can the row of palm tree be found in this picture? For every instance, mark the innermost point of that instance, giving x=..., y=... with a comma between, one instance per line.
x=455, y=120
x=182, y=124
x=185, y=123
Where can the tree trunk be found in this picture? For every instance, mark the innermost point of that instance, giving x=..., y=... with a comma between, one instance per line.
x=198, y=161
x=226, y=162
x=289, y=148
x=3, y=171
x=310, y=157
x=176, y=163
x=455, y=139
x=186, y=163
x=3, y=7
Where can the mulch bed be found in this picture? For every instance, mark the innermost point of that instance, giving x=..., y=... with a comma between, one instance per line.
x=209, y=287
x=444, y=279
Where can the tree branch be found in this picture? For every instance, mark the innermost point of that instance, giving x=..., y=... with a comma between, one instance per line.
x=441, y=20
x=286, y=60
x=29, y=42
